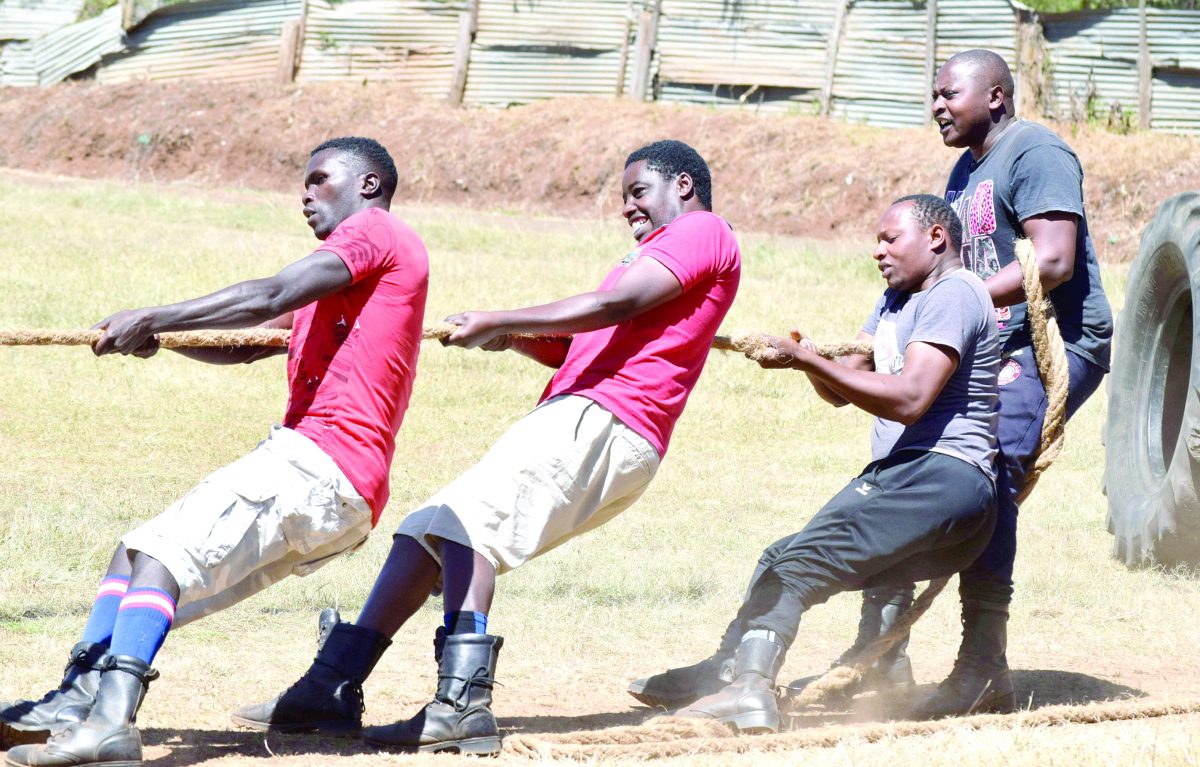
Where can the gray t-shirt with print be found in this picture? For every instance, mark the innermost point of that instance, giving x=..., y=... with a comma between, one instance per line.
x=1030, y=171
x=956, y=312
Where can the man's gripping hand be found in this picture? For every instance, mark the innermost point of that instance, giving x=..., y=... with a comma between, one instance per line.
x=794, y=352
x=477, y=329
x=127, y=332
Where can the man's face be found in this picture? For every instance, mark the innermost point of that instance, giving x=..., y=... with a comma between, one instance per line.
x=904, y=254
x=962, y=104
x=651, y=199
x=331, y=191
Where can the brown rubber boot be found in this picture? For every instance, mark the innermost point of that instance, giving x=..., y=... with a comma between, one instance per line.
x=459, y=718
x=33, y=721
x=107, y=738
x=748, y=704
x=329, y=697
x=980, y=682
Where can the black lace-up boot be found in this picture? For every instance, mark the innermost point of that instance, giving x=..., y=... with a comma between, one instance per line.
x=71, y=702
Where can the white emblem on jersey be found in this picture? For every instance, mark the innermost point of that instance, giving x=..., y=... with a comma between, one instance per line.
x=888, y=358
x=864, y=489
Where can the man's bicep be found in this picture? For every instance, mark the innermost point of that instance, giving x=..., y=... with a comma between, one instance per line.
x=312, y=277
x=930, y=365
x=647, y=283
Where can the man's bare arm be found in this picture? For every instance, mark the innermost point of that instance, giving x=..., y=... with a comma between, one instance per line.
x=1053, y=235
x=645, y=284
x=903, y=398
x=244, y=304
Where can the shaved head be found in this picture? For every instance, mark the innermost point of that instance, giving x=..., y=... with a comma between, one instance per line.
x=989, y=69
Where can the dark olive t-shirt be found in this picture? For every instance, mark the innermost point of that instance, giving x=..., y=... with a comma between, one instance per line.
x=1028, y=172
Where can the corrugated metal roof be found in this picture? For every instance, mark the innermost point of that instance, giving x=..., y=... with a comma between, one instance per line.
x=527, y=50
x=1095, y=56
x=880, y=76
x=27, y=19
x=211, y=40
x=1175, y=102
x=767, y=44
x=410, y=41
x=63, y=52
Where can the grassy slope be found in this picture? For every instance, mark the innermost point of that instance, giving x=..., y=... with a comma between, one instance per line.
x=92, y=446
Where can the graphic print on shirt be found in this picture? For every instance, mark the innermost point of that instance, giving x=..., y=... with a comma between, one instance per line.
x=888, y=357
x=631, y=256
x=978, y=215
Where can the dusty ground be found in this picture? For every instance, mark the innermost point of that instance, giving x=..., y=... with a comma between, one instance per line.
x=785, y=174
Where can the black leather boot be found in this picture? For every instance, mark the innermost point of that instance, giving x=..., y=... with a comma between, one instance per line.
x=680, y=686
x=107, y=737
x=459, y=717
x=881, y=607
x=329, y=697
x=748, y=704
x=71, y=702
x=980, y=682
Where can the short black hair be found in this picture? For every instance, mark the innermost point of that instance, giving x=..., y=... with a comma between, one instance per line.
x=670, y=158
x=371, y=156
x=990, y=65
x=929, y=209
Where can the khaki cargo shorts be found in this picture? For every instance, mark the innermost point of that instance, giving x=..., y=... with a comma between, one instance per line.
x=564, y=469
x=283, y=509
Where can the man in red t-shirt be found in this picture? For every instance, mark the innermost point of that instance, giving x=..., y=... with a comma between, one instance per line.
x=310, y=491
x=628, y=355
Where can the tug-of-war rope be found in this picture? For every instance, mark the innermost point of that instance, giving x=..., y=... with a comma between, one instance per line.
x=753, y=345
x=666, y=736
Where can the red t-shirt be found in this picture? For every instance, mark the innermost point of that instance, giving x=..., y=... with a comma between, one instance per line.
x=643, y=369
x=353, y=355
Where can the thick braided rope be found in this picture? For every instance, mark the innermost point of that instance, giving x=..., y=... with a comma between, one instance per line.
x=1051, y=356
x=672, y=736
x=753, y=345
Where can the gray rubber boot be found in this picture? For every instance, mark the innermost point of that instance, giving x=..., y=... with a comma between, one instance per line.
x=459, y=718
x=980, y=682
x=748, y=704
x=893, y=671
x=329, y=697
x=71, y=702
x=107, y=737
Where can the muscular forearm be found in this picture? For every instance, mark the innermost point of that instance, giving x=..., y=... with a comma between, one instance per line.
x=886, y=396
x=577, y=314
x=231, y=356
x=242, y=305
x=550, y=352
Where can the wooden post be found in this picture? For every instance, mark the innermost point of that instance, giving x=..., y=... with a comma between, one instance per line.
x=623, y=68
x=931, y=11
x=1145, y=69
x=647, y=39
x=291, y=45
x=831, y=54
x=468, y=27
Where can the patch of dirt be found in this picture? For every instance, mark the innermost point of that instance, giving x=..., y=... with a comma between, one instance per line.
x=785, y=174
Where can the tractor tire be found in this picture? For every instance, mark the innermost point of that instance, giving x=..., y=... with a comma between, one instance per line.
x=1152, y=437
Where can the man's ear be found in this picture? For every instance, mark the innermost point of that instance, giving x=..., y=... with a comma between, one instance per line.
x=938, y=239
x=371, y=186
x=685, y=186
x=996, y=97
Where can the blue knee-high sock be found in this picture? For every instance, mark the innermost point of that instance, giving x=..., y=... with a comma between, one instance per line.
x=99, y=628
x=143, y=621
x=466, y=622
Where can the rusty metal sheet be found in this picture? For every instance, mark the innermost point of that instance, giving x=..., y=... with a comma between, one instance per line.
x=211, y=40
x=57, y=55
x=409, y=41
x=28, y=19
x=528, y=50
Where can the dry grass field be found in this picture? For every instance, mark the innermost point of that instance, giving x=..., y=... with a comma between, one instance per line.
x=92, y=446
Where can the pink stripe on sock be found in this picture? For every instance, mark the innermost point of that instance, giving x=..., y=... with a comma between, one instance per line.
x=151, y=600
